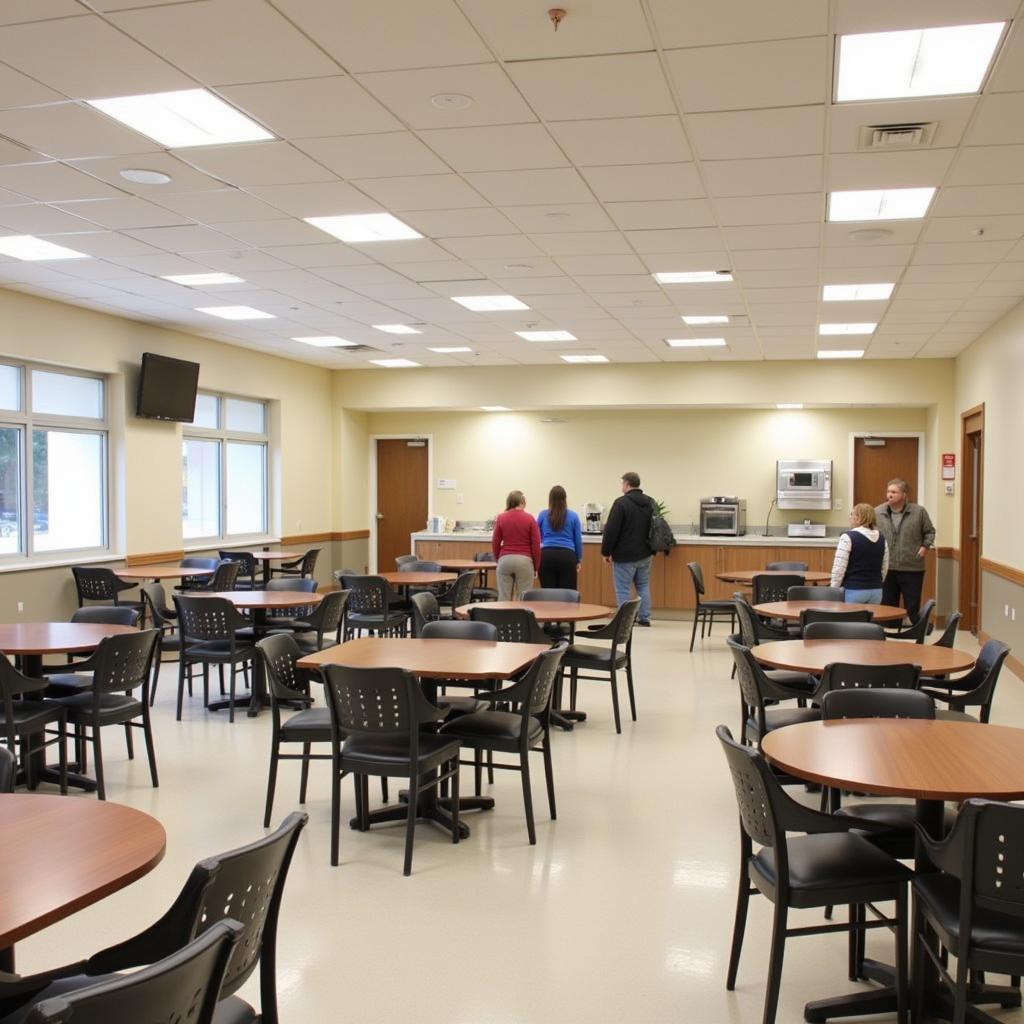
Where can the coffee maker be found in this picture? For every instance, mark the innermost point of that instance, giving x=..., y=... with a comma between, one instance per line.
x=593, y=517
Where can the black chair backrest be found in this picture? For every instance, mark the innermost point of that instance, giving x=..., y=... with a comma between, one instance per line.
x=307, y=564
x=225, y=577
x=552, y=594
x=918, y=629
x=877, y=703
x=812, y=615
x=424, y=609
x=368, y=594
x=95, y=584
x=420, y=565
x=749, y=674
x=327, y=616
x=978, y=686
x=184, y=986
x=747, y=619
x=773, y=588
x=12, y=686
x=208, y=618
x=786, y=567
x=844, y=676
x=621, y=626
x=279, y=653
x=296, y=584
x=107, y=615
x=949, y=631
x=381, y=701
x=155, y=597
x=123, y=662
x=400, y=560
x=515, y=625
x=461, y=591
x=754, y=787
x=843, y=631
x=540, y=679
x=245, y=559
x=483, y=556
x=196, y=562
x=449, y=629
x=8, y=770
x=697, y=575
x=815, y=594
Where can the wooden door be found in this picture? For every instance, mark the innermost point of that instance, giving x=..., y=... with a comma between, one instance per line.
x=972, y=450
x=402, y=489
x=875, y=464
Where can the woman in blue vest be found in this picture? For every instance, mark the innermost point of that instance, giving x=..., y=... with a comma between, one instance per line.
x=862, y=558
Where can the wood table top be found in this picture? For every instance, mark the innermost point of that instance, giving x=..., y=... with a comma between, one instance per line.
x=433, y=659
x=544, y=611
x=746, y=576
x=108, y=845
x=814, y=655
x=790, y=610
x=418, y=579
x=160, y=572
x=55, y=637
x=264, y=598
x=271, y=556
x=462, y=564
x=926, y=760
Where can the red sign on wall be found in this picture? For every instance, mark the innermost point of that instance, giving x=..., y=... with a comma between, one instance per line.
x=949, y=465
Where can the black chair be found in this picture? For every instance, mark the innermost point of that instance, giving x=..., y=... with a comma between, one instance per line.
x=458, y=594
x=166, y=620
x=419, y=565
x=815, y=594
x=448, y=629
x=376, y=715
x=975, y=689
x=919, y=628
x=844, y=676
x=28, y=723
x=843, y=631
x=555, y=631
x=209, y=629
x=808, y=616
x=400, y=560
x=370, y=607
x=246, y=885
x=514, y=625
x=482, y=593
x=759, y=694
x=830, y=864
x=515, y=732
x=290, y=584
x=101, y=584
x=303, y=566
x=322, y=626
x=973, y=906
x=75, y=677
x=224, y=578
x=8, y=770
x=786, y=567
x=766, y=589
x=119, y=665
x=425, y=608
x=753, y=631
x=196, y=562
x=248, y=570
x=606, y=661
x=705, y=612
x=183, y=986
x=948, y=637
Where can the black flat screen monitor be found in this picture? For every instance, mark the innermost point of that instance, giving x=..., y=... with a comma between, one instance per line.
x=167, y=388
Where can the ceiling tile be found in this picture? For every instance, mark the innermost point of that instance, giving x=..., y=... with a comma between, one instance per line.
x=781, y=131
x=452, y=223
x=518, y=273
x=596, y=264
x=731, y=21
x=67, y=130
x=230, y=260
x=500, y=148
x=645, y=182
x=769, y=296
x=888, y=170
x=183, y=177
x=40, y=219
x=126, y=212
x=762, y=236
x=561, y=217
x=681, y=240
x=764, y=177
x=860, y=275
x=508, y=188
x=786, y=209
x=999, y=120
x=679, y=213
x=480, y=246
x=379, y=155
x=1008, y=75
x=949, y=113
x=222, y=205
x=256, y=163
x=12, y=153
x=866, y=255
x=925, y=290
x=780, y=73
x=421, y=192
x=18, y=90
x=437, y=270
x=184, y=239
x=324, y=199
x=958, y=272
x=776, y=278
x=963, y=252
x=52, y=182
x=330, y=254
x=977, y=201
x=283, y=232
x=772, y=259
x=609, y=283
x=582, y=243
x=988, y=165
x=900, y=232
x=637, y=140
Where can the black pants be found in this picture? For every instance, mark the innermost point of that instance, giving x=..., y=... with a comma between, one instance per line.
x=907, y=584
x=558, y=568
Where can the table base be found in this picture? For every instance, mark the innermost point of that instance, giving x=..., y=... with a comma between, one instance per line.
x=565, y=719
x=430, y=809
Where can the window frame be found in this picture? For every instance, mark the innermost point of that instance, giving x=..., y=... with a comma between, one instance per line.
x=224, y=436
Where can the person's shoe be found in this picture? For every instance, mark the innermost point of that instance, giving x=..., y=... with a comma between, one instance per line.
x=643, y=622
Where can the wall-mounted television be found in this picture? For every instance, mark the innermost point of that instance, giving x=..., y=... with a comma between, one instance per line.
x=167, y=388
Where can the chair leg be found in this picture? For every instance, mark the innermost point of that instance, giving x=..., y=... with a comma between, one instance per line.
x=778, y=948
x=478, y=771
x=693, y=632
x=147, y=733
x=902, y=995
x=855, y=912
x=97, y=756
x=738, y=928
x=62, y=755
x=271, y=784
x=336, y=807
x=128, y=741
x=629, y=687
x=455, y=799
x=524, y=774
x=615, y=701
x=549, y=777
x=384, y=788
x=304, y=778
x=156, y=677
x=490, y=767
x=410, y=821
x=231, y=694
x=182, y=666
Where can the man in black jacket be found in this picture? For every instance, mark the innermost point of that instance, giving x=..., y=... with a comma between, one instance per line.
x=625, y=545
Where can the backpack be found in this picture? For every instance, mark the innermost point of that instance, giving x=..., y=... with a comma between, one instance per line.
x=659, y=537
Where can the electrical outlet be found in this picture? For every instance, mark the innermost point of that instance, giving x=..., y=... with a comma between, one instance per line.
x=837, y=505
x=21, y=606
x=459, y=498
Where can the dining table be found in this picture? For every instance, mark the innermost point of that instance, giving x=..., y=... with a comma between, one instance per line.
x=430, y=660
x=61, y=854
x=157, y=573
x=745, y=577
x=418, y=579
x=267, y=555
x=930, y=761
x=813, y=655
x=790, y=610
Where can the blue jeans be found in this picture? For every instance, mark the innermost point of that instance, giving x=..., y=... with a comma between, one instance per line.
x=864, y=596
x=624, y=575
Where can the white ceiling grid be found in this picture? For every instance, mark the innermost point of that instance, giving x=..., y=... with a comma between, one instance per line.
x=642, y=136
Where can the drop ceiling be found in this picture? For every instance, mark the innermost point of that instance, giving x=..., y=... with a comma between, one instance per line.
x=643, y=136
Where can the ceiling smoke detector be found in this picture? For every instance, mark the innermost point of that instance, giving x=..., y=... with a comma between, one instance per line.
x=451, y=101
x=143, y=176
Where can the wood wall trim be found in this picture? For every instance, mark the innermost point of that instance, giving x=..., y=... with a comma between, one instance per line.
x=946, y=553
x=1004, y=572
x=307, y=538
x=352, y=535
x=154, y=557
x=1015, y=665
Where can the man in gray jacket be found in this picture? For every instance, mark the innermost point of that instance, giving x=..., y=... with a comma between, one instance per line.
x=908, y=531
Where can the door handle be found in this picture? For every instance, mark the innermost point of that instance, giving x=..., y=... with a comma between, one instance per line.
x=380, y=515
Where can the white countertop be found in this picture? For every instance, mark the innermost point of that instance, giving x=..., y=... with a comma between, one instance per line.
x=749, y=540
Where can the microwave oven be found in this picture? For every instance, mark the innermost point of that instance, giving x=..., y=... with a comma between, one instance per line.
x=804, y=483
x=723, y=517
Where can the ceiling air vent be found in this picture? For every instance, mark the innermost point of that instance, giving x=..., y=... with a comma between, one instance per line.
x=897, y=136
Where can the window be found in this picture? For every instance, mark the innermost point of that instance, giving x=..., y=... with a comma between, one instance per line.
x=224, y=469
x=53, y=461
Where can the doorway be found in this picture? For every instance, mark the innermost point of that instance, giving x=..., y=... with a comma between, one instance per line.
x=401, y=489
x=879, y=459
x=972, y=448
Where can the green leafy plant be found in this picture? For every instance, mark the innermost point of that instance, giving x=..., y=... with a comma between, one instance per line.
x=661, y=509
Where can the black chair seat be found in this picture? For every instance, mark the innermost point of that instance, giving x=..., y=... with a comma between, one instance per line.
x=779, y=718
x=313, y=725
x=589, y=656
x=794, y=680
x=485, y=594
x=720, y=604
x=895, y=816
x=385, y=750
x=68, y=683
x=114, y=707
x=58, y=987
x=462, y=705
x=234, y=1011
x=949, y=715
x=490, y=726
x=833, y=867
x=373, y=620
x=31, y=712
x=939, y=896
x=220, y=651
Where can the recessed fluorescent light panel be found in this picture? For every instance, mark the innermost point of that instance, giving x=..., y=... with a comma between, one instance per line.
x=920, y=62
x=364, y=227
x=856, y=292
x=190, y=117
x=693, y=277
x=704, y=321
x=235, y=312
x=198, y=280
x=847, y=328
x=326, y=341
x=546, y=336
x=28, y=247
x=396, y=329
x=489, y=303
x=585, y=359
x=695, y=342
x=493, y=408
x=879, y=204
x=841, y=353
x=789, y=405
x=393, y=364
x=451, y=349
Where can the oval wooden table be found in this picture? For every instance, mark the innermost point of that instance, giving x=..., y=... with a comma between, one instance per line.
x=746, y=576
x=156, y=573
x=813, y=655
x=930, y=761
x=790, y=610
x=418, y=579
x=268, y=555
x=111, y=846
x=462, y=564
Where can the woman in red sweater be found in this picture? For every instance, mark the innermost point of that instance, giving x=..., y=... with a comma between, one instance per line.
x=515, y=544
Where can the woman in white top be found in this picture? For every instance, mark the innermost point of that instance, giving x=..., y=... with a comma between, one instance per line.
x=862, y=558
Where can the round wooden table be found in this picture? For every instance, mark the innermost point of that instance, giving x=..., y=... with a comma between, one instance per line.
x=418, y=579
x=267, y=555
x=109, y=846
x=156, y=573
x=746, y=576
x=544, y=611
x=462, y=564
x=790, y=610
x=813, y=655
